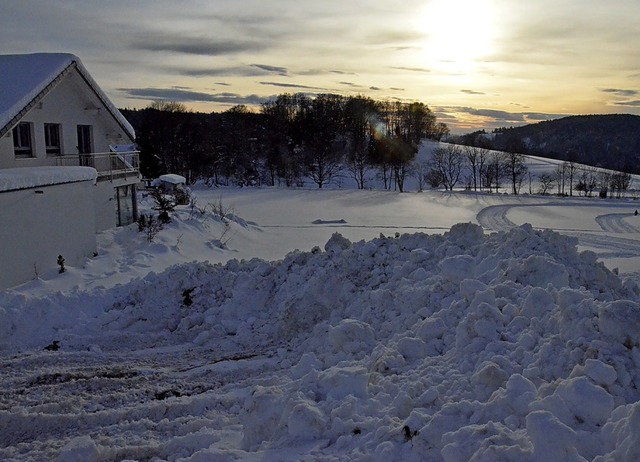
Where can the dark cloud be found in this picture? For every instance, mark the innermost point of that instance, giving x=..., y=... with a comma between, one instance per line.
x=473, y=92
x=204, y=46
x=411, y=69
x=633, y=103
x=317, y=72
x=456, y=118
x=272, y=69
x=342, y=72
x=512, y=117
x=231, y=71
x=185, y=96
x=291, y=85
x=620, y=92
x=540, y=116
x=351, y=84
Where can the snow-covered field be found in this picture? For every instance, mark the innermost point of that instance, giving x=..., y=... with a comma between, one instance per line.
x=434, y=326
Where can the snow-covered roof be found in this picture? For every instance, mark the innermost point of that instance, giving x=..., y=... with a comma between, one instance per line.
x=12, y=179
x=26, y=79
x=123, y=147
x=172, y=178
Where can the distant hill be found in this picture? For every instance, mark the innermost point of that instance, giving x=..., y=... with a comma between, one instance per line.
x=608, y=141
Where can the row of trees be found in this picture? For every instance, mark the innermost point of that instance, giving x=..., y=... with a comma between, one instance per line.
x=485, y=170
x=479, y=168
x=291, y=138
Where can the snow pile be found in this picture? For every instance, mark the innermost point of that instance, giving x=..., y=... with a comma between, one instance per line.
x=451, y=347
x=32, y=177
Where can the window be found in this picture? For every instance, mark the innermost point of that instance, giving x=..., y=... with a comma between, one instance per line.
x=52, y=138
x=22, y=140
x=84, y=139
x=126, y=205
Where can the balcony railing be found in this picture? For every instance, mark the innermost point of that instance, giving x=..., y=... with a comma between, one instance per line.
x=109, y=165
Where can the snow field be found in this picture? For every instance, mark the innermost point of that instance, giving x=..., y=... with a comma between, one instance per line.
x=464, y=346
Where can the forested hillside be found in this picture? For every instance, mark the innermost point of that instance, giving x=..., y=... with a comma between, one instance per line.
x=608, y=141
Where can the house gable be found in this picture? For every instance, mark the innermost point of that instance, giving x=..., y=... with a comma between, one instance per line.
x=26, y=79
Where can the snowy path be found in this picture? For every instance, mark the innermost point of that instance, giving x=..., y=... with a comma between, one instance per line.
x=495, y=218
x=616, y=223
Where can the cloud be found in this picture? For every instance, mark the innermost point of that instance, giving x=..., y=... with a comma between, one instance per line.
x=633, y=103
x=272, y=69
x=231, y=71
x=620, y=92
x=351, y=84
x=203, y=46
x=180, y=95
x=291, y=85
x=411, y=69
x=473, y=92
x=541, y=116
x=497, y=115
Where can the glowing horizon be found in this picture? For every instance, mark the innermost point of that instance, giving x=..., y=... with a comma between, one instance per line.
x=475, y=63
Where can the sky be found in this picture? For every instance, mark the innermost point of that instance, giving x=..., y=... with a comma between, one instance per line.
x=478, y=64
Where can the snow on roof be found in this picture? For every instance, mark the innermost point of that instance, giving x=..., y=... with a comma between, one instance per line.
x=24, y=79
x=123, y=147
x=12, y=179
x=172, y=178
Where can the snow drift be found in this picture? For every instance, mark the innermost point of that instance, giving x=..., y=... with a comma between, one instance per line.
x=464, y=346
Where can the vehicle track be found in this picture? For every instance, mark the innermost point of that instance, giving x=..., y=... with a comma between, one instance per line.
x=494, y=218
x=616, y=223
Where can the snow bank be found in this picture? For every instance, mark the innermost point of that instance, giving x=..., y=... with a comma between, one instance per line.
x=453, y=347
x=12, y=179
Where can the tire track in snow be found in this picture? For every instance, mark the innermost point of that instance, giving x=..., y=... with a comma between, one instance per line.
x=615, y=223
x=494, y=218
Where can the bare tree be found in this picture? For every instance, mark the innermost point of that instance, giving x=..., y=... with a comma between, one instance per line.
x=559, y=176
x=321, y=120
x=620, y=182
x=471, y=153
x=482, y=159
x=588, y=181
x=570, y=168
x=546, y=182
x=447, y=163
x=517, y=170
x=360, y=116
x=604, y=180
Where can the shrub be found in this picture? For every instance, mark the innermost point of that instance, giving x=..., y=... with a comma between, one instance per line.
x=149, y=225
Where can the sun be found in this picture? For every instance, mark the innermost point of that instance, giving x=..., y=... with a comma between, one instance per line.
x=458, y=32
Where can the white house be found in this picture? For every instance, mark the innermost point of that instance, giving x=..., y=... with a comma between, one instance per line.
x=68, y=164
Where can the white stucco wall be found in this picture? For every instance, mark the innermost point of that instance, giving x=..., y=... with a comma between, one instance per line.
x=37, y=227
x=69, y=104
x=105, y=207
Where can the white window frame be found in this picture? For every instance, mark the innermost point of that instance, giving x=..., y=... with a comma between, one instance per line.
x=53, y=149
x=23, y=148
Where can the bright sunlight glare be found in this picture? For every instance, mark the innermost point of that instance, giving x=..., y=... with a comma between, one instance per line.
x=458, y=32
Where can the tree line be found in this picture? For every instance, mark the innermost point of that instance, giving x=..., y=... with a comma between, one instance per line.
x=292, y=138
x=478, y=168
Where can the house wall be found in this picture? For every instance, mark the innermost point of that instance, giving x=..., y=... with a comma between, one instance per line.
x=37, y=227
x=72, y=102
